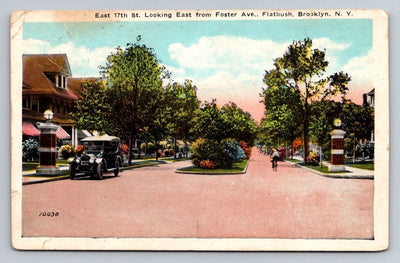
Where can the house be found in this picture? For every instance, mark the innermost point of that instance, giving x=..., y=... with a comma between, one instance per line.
x=45, y=86
x=369, y=98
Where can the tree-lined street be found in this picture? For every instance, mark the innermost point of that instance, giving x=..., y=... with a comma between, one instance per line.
x=157, y=202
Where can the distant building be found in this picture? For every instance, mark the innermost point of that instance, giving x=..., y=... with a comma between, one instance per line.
x=46, y=80
x=369, y=98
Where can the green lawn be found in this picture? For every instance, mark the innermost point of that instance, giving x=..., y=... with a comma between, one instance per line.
x=144, y=163
x=26, y=166
x=365, y=166
x=323, y=169
x=237, y=168
x=292, y=160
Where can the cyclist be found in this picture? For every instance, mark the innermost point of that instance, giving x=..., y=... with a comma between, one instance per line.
x=275, y=157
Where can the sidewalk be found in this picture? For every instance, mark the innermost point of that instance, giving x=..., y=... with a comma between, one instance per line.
x=30, y=177
x=351, y=172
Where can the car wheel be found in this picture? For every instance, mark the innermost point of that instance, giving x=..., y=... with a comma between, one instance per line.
x=116, y=170
x=72, y=171
x=100, y=171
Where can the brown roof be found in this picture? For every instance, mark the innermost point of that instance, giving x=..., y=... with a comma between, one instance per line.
x=36, y=82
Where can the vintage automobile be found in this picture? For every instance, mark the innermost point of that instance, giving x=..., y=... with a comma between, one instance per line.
x=101, y=154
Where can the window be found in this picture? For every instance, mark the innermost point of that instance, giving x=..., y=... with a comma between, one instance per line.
x=35, y=104
x=26, y=103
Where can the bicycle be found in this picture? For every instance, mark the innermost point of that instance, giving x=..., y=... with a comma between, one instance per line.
x=275, y=163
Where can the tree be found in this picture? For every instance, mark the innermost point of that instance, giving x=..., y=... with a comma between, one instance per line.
x=283, y=114
x=134, y=78
x=182, y=106
x=358, y=120
x=302, y=68
x=323, y=113
x=210, y=122
x=239, y=124
x=93, y=110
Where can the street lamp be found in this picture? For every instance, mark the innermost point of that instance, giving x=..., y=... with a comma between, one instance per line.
x=48, y=115
x=337, y=123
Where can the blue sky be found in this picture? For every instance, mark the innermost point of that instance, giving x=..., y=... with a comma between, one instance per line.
x=225, y=59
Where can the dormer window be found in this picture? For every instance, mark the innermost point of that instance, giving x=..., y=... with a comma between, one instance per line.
x=61, y=81
x=58, y=80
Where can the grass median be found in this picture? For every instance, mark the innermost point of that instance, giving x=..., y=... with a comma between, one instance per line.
x=237, y=168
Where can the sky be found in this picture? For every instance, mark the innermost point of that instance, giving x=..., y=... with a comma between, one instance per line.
x=225, y=59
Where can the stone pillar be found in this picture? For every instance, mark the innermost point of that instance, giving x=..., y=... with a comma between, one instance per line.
x=48, y=150
x=337, y=151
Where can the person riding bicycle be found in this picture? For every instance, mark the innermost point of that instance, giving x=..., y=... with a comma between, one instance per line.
x=275, y=158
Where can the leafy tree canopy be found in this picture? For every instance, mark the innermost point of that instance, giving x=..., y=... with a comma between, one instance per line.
x=93, y=110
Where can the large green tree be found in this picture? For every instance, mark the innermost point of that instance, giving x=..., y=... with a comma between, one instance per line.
x=322, y=116
x=135, y=81
x=239, y=124
x=181, y=107
x=283, y=117
x=210, y=122
x=93, y=110
x=302, y=68
x=358, y=120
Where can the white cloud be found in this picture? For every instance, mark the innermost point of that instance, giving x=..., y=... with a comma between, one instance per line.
x=365, y=73
x=362, y=69
x=236, y=54
x=83, y=61
x=35, y=46
x=329, y=45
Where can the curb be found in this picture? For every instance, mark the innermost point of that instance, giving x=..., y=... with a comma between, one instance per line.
x=64, y=177
x=49, y=179
x=195, y=173
x=336, y=175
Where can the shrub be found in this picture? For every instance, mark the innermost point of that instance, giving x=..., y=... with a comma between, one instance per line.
x=313, y=158
x=296, y=144
x=151, y=148
x=168, y=152
x=282, y=152
x=30, y=150
x=212, y=150
x=79, y=150
x=207, y=164
x=67, y=151
x=246, y=148
x=234, y=150
x=124, y=149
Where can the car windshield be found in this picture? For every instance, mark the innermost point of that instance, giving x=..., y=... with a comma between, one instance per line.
x=93, y=147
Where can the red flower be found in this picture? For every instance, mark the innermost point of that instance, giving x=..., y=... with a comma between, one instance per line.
x=124, y=149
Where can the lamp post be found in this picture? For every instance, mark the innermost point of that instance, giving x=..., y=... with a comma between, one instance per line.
x=337, y=148
x=48, y=144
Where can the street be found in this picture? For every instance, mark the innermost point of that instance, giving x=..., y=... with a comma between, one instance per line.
x=157, y=202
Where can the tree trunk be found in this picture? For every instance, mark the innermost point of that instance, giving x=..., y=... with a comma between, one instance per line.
x=305, y=127
x=174, y=147
x=138, y=147
x=130, y=150
x=156, y=151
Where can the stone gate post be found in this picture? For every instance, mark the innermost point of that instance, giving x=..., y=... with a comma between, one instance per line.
x=337, y=151
x=48, y=147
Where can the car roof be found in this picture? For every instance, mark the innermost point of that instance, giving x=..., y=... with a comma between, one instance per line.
x=100, y=138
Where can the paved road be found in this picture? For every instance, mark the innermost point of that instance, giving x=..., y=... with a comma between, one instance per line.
x=157, y=202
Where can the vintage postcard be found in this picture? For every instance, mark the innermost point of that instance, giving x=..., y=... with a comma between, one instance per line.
x=233, y=130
